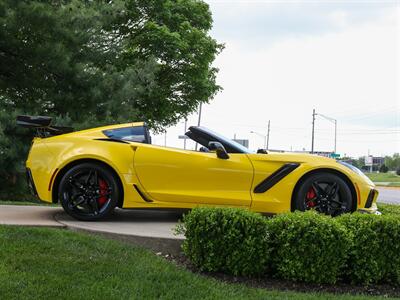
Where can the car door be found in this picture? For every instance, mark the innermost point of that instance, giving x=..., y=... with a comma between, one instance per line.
x=175, y=175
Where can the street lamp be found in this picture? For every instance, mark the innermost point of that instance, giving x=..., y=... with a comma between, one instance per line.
x=262, y=135
x=334, y=121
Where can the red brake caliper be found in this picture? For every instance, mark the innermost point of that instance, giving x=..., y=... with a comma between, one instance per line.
x=310, y=197
x=103, y=188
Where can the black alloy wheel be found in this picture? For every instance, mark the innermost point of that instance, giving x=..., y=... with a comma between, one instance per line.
x=89, y=192
x=325, y=193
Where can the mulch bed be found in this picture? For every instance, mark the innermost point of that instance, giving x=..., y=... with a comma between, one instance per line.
x=269, y=283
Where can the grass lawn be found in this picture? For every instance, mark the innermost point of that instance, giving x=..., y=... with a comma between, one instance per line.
x=43, y=263
x=383, y=177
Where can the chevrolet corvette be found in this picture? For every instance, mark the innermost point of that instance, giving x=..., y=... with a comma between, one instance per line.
x=93, y=171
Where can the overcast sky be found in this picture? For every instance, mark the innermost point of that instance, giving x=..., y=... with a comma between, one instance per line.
x=284, y=58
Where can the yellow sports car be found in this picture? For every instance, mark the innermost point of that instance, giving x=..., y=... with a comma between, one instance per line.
x=90, y=172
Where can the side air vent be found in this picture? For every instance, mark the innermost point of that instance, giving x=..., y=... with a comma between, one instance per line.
x=275, y=177
x=141, y=194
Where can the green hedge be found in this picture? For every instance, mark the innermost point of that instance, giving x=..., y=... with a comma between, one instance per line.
x=225, y=239
x=308, y=247
x=374, y=255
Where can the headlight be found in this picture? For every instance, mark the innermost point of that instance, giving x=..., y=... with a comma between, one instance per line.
x=356, y=170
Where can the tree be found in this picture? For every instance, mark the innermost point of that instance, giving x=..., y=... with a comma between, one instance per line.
x=393, y=162
x=383, y=169
x=90, y=63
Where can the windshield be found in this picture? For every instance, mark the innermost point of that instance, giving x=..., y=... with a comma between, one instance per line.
x=204, y=135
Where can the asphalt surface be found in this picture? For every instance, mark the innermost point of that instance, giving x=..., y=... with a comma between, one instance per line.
x=389, y=195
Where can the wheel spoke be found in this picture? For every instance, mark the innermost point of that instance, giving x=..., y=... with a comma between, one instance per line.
x=95, y=206
x=319, y=191
x=332, y=190
x=88, y=177
x=335, y=202
x=75, y=183
x=91, y=179
x=77, y=203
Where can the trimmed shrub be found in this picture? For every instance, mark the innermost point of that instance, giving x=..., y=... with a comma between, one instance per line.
x=300, y=246
x=375, y=252
x=389, y=209
x=383, y=169
x=229, y=240
x=308, y=246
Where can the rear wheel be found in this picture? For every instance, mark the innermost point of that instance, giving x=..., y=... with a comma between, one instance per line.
x=89, y=192
x=325, y=193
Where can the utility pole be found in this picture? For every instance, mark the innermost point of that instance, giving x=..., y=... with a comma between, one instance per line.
x=335, y=134
x=312, y=134
x=269, y=127
x=198, y=121
x=165, y=138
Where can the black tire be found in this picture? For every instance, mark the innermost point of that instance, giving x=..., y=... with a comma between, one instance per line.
x=326, y=193
x=89, y=192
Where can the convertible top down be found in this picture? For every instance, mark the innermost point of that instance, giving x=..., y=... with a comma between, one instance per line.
x=95, y=170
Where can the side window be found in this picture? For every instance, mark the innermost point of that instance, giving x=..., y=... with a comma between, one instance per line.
x=137, y=134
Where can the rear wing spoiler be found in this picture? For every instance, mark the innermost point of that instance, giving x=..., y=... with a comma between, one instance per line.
x=42, y=125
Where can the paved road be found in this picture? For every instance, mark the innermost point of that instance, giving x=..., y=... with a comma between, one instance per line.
x=389, y=195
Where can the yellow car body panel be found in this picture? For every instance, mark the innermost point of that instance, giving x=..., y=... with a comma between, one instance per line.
x=174, y=175
x=161, y=177
x=278, y=198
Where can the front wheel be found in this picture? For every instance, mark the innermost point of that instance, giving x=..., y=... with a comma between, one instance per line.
x=89, y=192
x=325, y=193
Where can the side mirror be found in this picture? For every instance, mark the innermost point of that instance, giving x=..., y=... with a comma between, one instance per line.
x=219, y=149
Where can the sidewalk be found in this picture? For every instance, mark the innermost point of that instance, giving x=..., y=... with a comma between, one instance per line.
x=149, y=229
x=25, y=215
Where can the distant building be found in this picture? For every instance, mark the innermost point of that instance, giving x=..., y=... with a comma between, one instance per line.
x=378, y=161
x=373, y=163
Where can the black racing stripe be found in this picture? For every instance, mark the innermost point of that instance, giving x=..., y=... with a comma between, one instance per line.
x=275, y=177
